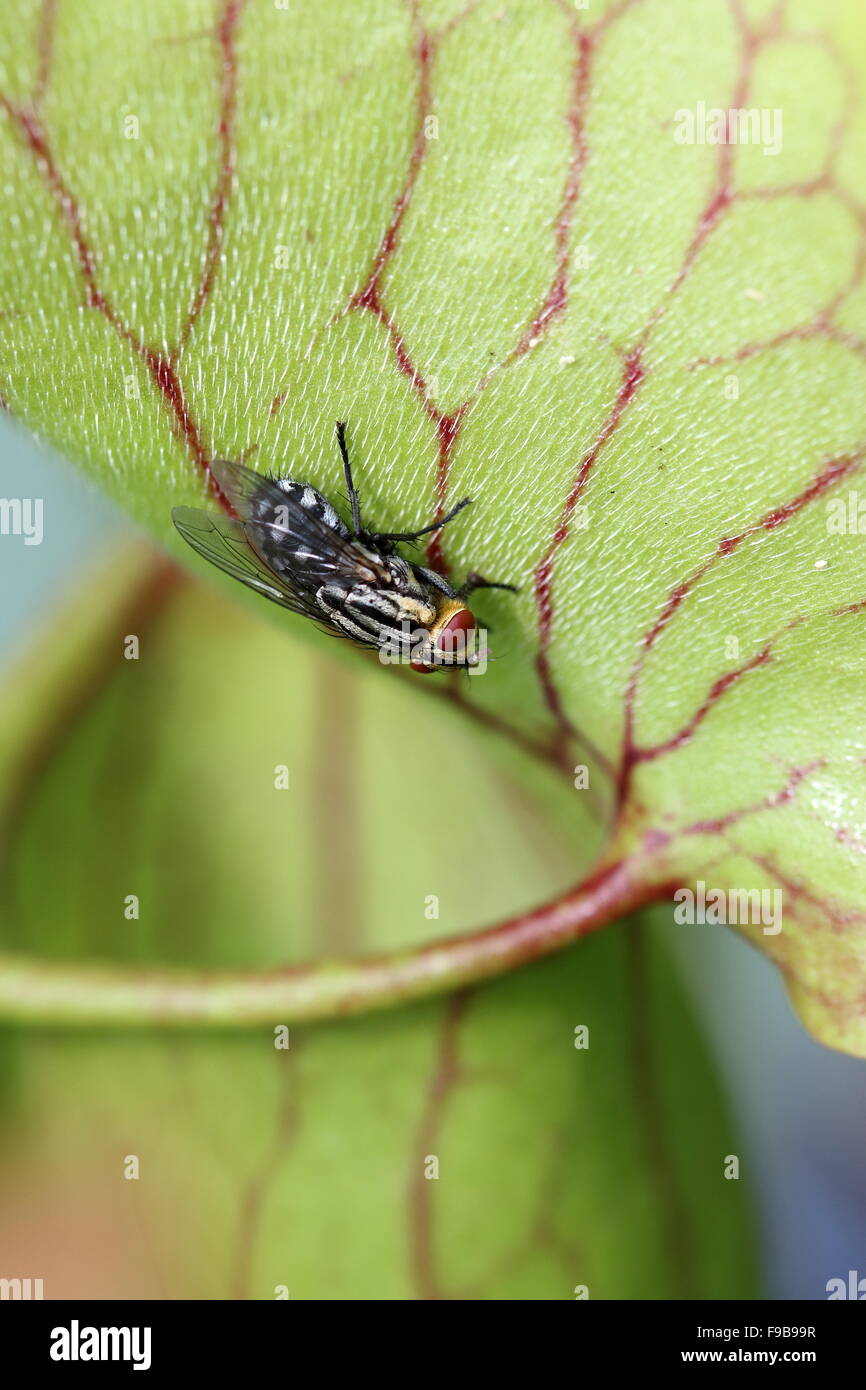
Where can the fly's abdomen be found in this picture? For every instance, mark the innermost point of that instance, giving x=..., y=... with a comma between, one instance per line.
x=301, y=494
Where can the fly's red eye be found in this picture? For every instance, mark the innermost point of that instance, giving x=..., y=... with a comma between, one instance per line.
x=453, y=636
x=453, y=639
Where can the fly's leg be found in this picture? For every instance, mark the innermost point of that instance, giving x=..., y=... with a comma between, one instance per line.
x=354, y=500
x=428, y=576
x=476, y=581
x=425, y=530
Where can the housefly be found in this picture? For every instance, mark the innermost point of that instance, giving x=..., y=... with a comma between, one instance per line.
x=288, y=542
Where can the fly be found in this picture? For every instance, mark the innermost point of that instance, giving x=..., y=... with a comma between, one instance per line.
x=287, y=541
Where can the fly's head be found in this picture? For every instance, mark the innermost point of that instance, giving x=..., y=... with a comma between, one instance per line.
x=437, y=629
x=450, y=642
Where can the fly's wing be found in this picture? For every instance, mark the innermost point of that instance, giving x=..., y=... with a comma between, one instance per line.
x=224, y=542
x=294, y=542
x=245, y=488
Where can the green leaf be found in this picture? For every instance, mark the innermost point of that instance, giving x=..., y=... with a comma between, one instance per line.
x=472, y=231
x=307, y=1168
x=600, y=1165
